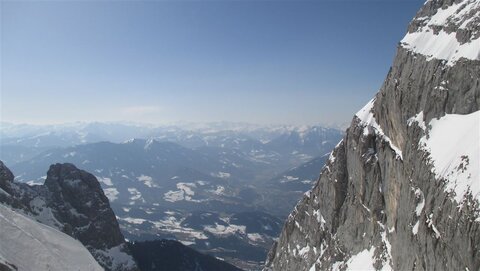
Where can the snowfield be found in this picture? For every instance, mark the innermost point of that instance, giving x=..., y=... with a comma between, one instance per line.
x=147, y=180
x=27, y=244
x=185, y=192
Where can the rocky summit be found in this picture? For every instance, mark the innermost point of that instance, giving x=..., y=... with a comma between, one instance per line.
x=79, y=204
x=401, y=191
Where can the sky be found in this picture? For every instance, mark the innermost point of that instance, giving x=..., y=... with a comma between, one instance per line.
x=265, y=62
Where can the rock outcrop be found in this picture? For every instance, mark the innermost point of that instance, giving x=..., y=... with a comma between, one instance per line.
x=79, y=204
x=401, y=191
x=72, y=201
x=6, y=178
x=14, y=194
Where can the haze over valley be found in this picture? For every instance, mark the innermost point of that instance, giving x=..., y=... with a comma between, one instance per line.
x=221, y=188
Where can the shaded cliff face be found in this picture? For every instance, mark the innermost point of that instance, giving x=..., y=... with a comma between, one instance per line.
x=72, y=201
x=171, y=255
x=401, y=191
x=80, y=206
x=6, y=180
x=79, y=203
x=6, y=177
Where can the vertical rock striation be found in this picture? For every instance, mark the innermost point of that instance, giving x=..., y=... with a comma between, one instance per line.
x=401, y=191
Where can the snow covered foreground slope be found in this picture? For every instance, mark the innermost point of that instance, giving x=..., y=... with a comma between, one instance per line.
x=401, y=190
x=29, y=245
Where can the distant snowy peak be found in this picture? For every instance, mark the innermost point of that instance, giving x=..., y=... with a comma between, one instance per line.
x=446, y=31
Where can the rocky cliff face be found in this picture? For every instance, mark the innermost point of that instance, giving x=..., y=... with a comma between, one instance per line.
x=72, y=201
x=80, y=206
x=401, y=191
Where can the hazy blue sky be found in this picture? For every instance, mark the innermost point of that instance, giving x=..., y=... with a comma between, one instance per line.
x=298, y=62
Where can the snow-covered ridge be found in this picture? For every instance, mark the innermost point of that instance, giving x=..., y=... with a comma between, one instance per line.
x=28, y=244
x=444, y=45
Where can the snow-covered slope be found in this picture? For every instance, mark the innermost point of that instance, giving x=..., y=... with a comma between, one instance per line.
x=28, y=245
x=453, y=144
x=435, y=38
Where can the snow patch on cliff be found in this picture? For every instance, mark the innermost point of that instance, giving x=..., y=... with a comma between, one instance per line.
x=365, y=115
x=362, y=261
x=454, y=148
x=441, y=46
x=418, y=119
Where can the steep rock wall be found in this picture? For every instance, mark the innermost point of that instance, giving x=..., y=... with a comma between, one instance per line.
x=382, y=202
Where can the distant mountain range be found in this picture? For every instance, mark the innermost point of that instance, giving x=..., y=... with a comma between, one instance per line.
x=222, y=192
